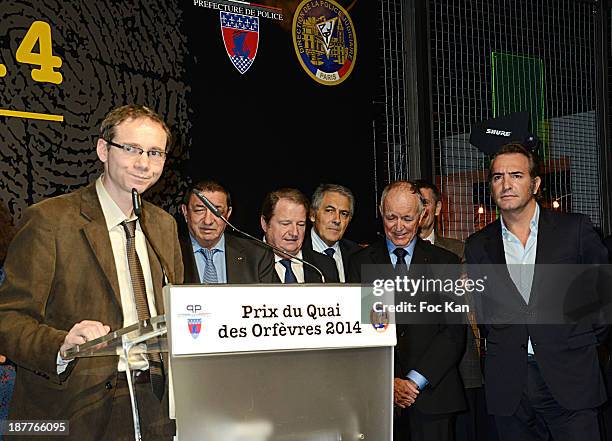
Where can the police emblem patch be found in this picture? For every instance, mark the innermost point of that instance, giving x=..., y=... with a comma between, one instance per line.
x=325, y=41
x=241, y=38
x=195, y=326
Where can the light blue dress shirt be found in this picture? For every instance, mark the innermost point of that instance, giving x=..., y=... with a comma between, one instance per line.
x=521, y=260
x=218, y=259
x=409, y=251
x=413, y=375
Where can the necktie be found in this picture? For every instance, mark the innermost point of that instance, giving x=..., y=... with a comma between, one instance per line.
x=289, y=274
x=156, y=372
x=401, y=266
x=330, y=252
x=210, y=271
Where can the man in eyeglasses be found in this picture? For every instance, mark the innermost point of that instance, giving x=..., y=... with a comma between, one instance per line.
x=80, y=265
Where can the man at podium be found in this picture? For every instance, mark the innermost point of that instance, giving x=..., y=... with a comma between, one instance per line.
x=80, y=265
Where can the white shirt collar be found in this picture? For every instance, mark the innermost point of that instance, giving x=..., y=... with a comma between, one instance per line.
x=112, y=213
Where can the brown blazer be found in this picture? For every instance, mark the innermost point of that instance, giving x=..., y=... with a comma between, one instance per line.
x=60, y=270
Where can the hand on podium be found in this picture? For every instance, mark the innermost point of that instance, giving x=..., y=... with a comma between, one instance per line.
x=83, y=332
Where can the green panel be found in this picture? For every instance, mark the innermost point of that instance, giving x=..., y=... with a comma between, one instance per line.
x=518, y=85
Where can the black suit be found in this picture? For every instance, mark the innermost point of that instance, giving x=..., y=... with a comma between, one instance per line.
x=566, y=354
x=347, y=248
x=433, y=350
x=325, y=263
x=246, y=261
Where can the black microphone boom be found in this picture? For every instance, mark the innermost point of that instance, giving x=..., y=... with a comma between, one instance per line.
x=217, y=213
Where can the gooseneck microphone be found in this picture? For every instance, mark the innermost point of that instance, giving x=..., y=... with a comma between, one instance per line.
x=137, y=206
x=217, y=213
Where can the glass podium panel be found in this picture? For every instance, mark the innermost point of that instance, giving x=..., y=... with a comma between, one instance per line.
x=317, y=395
x=142, y=337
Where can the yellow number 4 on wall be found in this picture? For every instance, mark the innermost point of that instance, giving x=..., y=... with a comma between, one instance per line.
x=40, y=32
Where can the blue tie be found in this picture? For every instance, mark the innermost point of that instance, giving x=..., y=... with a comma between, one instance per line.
x=210, y=272
x=289, y=275
x=330, y=252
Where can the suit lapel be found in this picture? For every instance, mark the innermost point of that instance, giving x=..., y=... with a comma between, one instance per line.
x=379, y=254
x=234, y=260
x=546, y=243
x=494, y=246
x=96, y=233
x=190, y=269
x=155, y=235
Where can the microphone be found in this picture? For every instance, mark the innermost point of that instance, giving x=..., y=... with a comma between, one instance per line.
x=137, y=203
x=217, y=213
x=137, y=206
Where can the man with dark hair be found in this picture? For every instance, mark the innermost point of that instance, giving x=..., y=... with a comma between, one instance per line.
x=331, y=211
x=427, y=386
x=80, y=265
x=538, y=378
x=210, y=255
x=283, y=220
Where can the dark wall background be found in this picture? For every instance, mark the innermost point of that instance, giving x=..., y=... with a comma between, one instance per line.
x=274, y=126
x=271, y=127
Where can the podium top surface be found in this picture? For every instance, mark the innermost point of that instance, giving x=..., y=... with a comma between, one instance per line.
x=143, y=336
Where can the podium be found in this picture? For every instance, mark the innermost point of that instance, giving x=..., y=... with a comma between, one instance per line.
x=268, y=362
x=145, y=336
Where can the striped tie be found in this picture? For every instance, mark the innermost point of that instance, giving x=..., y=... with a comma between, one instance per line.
x=156, y=372
x=210, y=271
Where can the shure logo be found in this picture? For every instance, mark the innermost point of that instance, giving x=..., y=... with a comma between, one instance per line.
x=498, y=132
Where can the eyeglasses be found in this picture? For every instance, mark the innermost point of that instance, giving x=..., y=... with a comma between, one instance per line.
x=133, y=151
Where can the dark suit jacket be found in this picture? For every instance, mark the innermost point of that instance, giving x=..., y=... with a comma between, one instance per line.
x=347, y=248
x=246, y=261
x=453, y=245
x=61, y=270
x=566, y=353
x=325, y=263
x=470, y=368
x=433, y=350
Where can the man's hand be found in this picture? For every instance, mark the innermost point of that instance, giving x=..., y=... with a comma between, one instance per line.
x=405, y=392
x=83, y=332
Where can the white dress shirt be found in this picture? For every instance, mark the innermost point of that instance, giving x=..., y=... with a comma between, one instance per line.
x=319, y=246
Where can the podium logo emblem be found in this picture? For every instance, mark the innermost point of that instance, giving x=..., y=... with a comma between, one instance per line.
x=379, y=320
x=241, y=38
x=195, y=326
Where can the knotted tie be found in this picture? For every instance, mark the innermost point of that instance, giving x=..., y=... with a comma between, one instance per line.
x=210, y=271
x=330, y=252
x=289, y=274
x=401, y=266
x=156, y=372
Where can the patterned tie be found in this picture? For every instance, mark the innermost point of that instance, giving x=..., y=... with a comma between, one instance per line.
x=289, y=274
x=210, y=271
x=330, y=252
x=401, y=266
x=156, y=372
